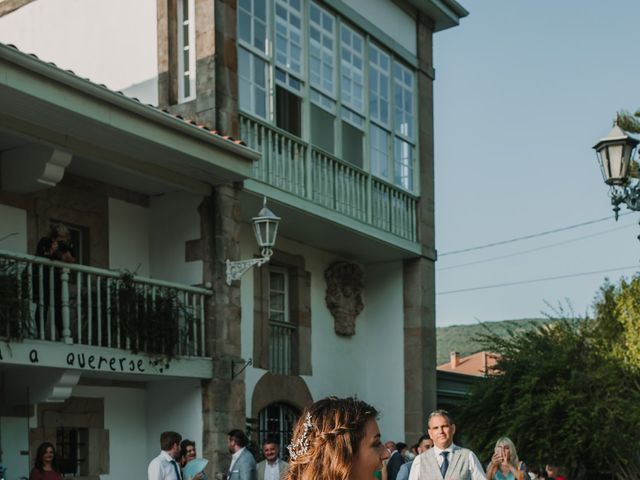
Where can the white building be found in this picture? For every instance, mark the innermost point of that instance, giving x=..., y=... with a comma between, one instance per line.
x=333, y=103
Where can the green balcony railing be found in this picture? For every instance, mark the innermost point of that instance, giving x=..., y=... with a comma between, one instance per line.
x=294, y=166
x=77, y=304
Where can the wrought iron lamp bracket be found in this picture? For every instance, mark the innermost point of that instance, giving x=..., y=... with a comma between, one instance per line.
x=235, y=269
x=629, y=195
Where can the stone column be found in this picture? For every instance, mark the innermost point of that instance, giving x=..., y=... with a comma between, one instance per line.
x=419, y=273
x=202, y=109
x=223, y=398
x=226, y=68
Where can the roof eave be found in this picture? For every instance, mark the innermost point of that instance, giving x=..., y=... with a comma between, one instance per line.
x=445, y=13
x=99, y=92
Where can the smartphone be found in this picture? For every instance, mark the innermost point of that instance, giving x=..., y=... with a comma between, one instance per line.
x=498, y=451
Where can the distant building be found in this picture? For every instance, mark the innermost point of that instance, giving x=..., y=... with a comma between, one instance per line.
x=478, y=364
x=455, y=378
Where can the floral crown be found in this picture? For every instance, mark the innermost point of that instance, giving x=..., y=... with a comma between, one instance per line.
x=301, y=446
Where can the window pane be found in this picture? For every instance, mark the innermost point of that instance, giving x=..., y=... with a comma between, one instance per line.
x=403, y=164
x=322, y=128
x=352, y=73
x=252, y=23
x=379, y=95
x=244, y=26
x=252, y=83
x=186, y=53
x=352, y=139
x=288, y=111
x=404, y=99
x=379, y=145
x=289, y=35
x=321, y=52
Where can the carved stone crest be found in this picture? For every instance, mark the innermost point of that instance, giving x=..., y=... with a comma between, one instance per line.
x=345, y=282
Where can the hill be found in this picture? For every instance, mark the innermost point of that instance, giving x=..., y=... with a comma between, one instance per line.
x=465, y=340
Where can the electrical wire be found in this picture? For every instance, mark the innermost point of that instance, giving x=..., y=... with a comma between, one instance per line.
x=544, y=247
x=535, y=280
x=527, y=237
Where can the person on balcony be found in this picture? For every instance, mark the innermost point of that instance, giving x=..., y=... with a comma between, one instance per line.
x=46, y=464
x=55, y=246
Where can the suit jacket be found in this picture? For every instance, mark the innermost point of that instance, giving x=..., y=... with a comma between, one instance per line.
x=244, y=468
x=282, y=467
x=394, y=464
x=459, y=466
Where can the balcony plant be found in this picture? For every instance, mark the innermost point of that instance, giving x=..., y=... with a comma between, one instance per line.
x=15, y=312
x=155, y=324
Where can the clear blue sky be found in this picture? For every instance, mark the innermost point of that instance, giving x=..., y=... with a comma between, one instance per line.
x=523, y=90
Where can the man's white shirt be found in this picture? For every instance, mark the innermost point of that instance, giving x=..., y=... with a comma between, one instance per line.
x=161, y=468
x=475, y=467
x=272, y=471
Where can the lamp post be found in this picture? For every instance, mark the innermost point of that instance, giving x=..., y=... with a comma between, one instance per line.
x=615, y=156
x=265, y=227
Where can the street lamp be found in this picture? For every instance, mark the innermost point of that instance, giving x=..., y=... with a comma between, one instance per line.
x=265, y=227
x=615, y=153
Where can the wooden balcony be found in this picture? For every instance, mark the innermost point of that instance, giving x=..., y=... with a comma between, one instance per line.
x=146, y=325
x=299, y=168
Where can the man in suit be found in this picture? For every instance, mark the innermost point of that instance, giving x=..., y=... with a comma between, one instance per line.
x=243, y=465
x=164, y=466
x=395, y=460
x=271, y=468
x=445, y=460
x=424, y=444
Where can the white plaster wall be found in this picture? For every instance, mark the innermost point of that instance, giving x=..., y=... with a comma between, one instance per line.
x=14, y=437
x=111, y=42
x=128, y=237
x=369, y=364
x=389, y=18
x=124, y=417
x=173, y=405
x=13, y=229
x=174, y=221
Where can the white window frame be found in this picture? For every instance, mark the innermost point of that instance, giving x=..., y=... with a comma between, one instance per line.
x=350, y=74
x=284, y=272
x=291, y=38
x=186, y=73
x=339, y=87
x=325, y=56
x=251, y=96
x=380, y=95
x=255, y=21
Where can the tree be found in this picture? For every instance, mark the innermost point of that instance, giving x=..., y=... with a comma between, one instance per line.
x=562, y=398
x=628, y=122
x=618, y=321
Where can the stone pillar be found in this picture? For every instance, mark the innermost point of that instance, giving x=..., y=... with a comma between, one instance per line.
x=202, y=109
x=226, y=68
x=223, y=398
x=419, y=273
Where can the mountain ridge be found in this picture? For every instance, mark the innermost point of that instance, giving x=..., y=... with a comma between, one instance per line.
x=465, y=339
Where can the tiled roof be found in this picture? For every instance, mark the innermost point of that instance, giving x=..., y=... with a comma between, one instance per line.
x=478, y=364
x=215, y=133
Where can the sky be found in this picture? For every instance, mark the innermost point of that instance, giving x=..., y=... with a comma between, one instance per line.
x=523, y=90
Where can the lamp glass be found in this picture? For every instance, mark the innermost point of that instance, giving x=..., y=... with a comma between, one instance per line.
x=614, y=155
x=265, y=226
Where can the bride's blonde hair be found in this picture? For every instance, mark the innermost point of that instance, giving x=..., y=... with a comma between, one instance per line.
x=326, y=438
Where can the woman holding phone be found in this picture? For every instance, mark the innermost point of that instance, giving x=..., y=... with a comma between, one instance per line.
x=504, y=462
